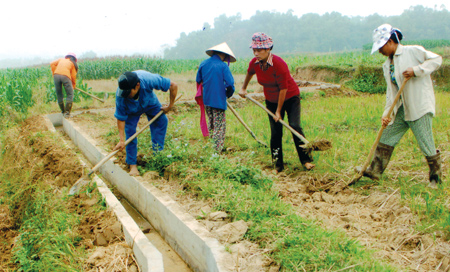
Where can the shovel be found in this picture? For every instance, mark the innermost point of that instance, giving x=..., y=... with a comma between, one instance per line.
x=380, y=132
x=93, y=96
x=244, y=124
x=321, y=145
x=82, y=181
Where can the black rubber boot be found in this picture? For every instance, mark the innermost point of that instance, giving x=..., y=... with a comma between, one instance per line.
x=434, y=162
x=68, y=109
x=379, y=163
x=61, y=106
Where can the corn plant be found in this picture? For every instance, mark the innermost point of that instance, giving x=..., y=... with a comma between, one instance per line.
x=107, y=68
x=16, y=89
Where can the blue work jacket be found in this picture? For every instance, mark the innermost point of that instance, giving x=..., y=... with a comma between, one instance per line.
x=147, y=101
x=217, y=79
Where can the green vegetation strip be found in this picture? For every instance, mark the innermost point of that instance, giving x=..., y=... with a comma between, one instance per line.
x=45, y=225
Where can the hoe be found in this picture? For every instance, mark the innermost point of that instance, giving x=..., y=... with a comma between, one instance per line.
x=320, y=145
x=83, y=181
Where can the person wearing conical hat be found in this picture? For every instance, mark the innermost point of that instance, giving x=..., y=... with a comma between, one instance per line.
x=282, y=97
x=64, y=71
x=215, y=85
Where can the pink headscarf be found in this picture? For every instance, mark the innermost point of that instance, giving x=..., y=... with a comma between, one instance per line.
x=260, y=40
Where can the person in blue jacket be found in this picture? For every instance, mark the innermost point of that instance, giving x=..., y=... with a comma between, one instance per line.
x=218, y=85
x=134, y=97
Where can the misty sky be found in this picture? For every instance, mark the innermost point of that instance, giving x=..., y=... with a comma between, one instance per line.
x=48, y=28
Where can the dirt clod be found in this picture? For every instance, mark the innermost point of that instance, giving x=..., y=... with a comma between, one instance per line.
x=321, y=145
x=232, y=232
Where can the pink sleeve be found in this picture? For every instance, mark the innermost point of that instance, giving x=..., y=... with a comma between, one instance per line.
x=199, y=99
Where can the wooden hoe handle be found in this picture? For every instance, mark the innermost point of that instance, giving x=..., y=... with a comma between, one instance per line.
x=105, y=159
x=380, y=132
x=93, y=96
x=281, y=121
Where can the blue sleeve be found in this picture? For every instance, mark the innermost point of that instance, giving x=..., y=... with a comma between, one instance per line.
x=163, y=84
x=154, y=81
x=120, y=113
x=199, y=77
x=229, y=82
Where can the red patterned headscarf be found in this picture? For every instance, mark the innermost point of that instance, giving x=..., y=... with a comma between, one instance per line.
x=261, y=41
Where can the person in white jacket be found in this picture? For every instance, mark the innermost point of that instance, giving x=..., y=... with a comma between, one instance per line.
x=416, y=107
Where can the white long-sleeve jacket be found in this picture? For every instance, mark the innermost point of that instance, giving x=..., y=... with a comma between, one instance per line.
x=418, y=96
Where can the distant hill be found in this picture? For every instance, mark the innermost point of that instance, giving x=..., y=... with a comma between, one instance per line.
x=309, y=33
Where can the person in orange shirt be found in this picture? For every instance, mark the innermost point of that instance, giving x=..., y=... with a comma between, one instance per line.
x=64, y=72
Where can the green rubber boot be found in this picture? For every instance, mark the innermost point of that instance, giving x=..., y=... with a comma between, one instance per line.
x=379, y=163
x=434, y=162
x=68, y=109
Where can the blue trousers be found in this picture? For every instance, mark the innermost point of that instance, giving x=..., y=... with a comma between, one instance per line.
x=158, y=131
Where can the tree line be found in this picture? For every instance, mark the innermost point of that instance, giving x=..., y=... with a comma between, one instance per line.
x=330, y=32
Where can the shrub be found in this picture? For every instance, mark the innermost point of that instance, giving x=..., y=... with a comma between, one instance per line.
x=368, y=80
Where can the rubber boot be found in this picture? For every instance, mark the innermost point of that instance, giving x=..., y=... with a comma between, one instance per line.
x=61, y=106
x=68, y=109
x=379, y=163
x=434, y=162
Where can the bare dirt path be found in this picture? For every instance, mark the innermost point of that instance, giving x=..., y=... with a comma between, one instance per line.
x=378, y=220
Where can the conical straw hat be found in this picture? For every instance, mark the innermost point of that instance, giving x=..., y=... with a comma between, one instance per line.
x=223, y=47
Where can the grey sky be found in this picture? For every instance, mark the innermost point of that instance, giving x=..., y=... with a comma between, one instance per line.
x=48, y=28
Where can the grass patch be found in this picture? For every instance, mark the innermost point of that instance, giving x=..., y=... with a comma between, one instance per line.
x=45, y=222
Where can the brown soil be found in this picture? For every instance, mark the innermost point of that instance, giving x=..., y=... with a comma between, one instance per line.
x=322, y=74
x=321, y=145
x=50, y=161
x=378, y=221
x=7, y=237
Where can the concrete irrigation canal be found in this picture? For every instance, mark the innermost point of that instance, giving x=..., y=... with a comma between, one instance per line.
x=146, y=207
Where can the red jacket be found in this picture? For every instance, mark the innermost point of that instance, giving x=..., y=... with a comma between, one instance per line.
x=276, y=78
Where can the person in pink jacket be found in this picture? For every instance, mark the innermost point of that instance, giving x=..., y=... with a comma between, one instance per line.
x=416, y=106
x=64, y=72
